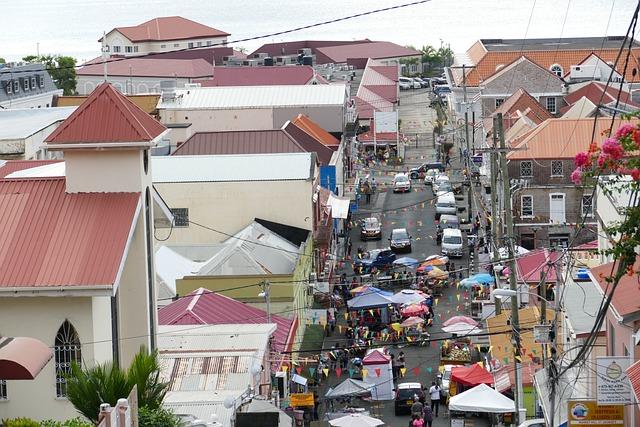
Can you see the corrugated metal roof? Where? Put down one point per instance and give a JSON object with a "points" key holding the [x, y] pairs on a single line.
{"points": [[309, 143], [10, 166], [168, 28], [151, 67], [562, 138], [240, 142], [518, 104], [55, 239], [532, 266], [208, 339], [106, 116], [21, 123], [225, 168], [375, 50], [626, 299], [203, 307], [582, 303], [240, 97], [260, 76], [314, 129]]}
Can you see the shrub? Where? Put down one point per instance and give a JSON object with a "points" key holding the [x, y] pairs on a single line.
{"points": [[20, 422], [158, 417]]}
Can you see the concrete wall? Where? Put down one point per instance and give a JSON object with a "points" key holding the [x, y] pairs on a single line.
{"points": [[42, 100], [127, 85], [231, 206], [119, 171], [41, 317], [115, 38], [329, 118], [28, 148]]}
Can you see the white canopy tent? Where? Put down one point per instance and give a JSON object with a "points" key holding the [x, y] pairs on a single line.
{"points": [[482, 398], [349, 387]]}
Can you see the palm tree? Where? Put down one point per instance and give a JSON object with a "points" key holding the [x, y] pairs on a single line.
{"points": [[87, 388], [429, 56]]}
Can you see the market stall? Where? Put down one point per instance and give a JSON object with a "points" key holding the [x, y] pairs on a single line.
{"points": [[379, 374], [483, 399], [349, 388], [464, 377]]}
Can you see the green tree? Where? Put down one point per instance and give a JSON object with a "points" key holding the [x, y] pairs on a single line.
{"points": [[445, 55], [2, 61], [87, 388], [61, 68]]}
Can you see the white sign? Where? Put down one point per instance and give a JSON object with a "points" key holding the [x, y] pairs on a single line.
{"points": [[613, 386], [385, 121]]}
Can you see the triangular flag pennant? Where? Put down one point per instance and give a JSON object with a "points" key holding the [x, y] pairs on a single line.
{"points": [[284, 368], [371, 311], [403, 371], [430, 370], [312, 371], [518, 358], [299, 370], [378, 372], [491, 348], [339, 328], [458, 296], [437, 299], [326, 372], [365, 372], [506, 360], [351, 371], [416, 371], [533, 350], [409, 339], [339, 372], [346, 316]]}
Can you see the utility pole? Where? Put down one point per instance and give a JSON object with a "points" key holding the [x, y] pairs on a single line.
{"points": [[509, 237], [266, 294], [496, 233], [554, 339]]}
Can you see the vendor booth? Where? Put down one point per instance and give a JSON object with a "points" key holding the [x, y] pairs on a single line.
{"points": [[349, 388], [464, 377], [379, 374], [480, 399], [374, 307]]}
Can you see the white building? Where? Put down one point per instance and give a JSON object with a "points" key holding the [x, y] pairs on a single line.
{"points": [[23, 131], [26, 86], [610, 208], [226, 192], [212, 109], [162, 34]]}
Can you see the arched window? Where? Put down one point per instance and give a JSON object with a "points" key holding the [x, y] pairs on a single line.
{"points": [[66, 350], [557, 70]]}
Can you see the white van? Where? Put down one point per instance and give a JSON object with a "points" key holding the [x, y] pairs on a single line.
{"points": [[452, 242], [446, 205]]}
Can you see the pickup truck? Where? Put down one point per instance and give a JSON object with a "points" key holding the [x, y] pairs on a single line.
{"points": [[381, 259]]}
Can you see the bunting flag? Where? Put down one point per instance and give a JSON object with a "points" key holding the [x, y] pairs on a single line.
{"points": [[430, 369], [478, 348], [378, 372], [365, 372], [284, 368], [299, 370], [434, 344], [458, 296], [506, 360], [339, 328], [491, 348], [351, 371], [436, 302], [518, 358], [416, 371], [403, 372], [346, 316], [312, 371], [409, 339], [326, 372], [533, 350], [338, 372], [371, 312]]}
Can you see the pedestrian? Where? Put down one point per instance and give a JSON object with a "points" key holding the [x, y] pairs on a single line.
{"points": [[417, 421], [434, 395], [416, 408], [427, 415], [400, 360]]}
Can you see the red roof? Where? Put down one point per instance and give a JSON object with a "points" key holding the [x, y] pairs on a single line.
{"points": [[376, 357], [11, 166], [292, 47], [238, 142], [106, 116], [633, 372], [523, 102], [471, 376], [51, 238], [374, 50], [151, 67], [313, 129], [594, 91], [532, 266], [309, 142], [260, 76], [626, 299], [204, 307], [168, 28]]}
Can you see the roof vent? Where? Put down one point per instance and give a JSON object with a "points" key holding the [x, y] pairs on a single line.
{"points": [[168, 90]]}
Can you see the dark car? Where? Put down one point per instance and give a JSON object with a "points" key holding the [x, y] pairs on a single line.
{"points": [[406, 394], [400, 240], [370, 229], [381, 259], [416, 173]]}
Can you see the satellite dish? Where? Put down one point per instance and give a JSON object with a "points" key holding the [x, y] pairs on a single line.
{"points": [[229, 402]]}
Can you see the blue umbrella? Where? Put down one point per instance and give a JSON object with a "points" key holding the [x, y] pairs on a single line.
{"points": [[407, 262], [484, 278]]}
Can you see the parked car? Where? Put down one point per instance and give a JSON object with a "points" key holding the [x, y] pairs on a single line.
{"points": [[452, 242], [417, 83], [446, 205], [430, 175], [426, 82], [444, 187], [401, 183], [405, 83], [441, 89], [406, 395], [416, 173], [381, 259], [370, 229], [439, 80], [437, 182], [445, 378], [400, 241]]}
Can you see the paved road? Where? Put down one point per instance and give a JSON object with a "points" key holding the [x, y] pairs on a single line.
{"points": [[415, 212]]}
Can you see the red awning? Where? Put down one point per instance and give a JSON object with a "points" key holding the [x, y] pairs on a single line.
{"points": [[22, 358], [471, 375], [633, 372]]}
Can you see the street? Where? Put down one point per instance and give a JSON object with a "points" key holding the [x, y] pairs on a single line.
{"points": [[414, 211]]}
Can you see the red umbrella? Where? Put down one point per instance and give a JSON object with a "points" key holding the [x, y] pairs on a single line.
{"points": [[460, 319], [414, 310]]}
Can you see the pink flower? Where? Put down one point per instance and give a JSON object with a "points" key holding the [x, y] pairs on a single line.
{"points": [[602, 159], [635, 174], [612, 147], [582, 159], [576, 176], [624, 130]]}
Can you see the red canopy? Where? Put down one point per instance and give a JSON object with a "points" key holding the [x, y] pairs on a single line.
{"points": [[22, 358], [471, 375]]}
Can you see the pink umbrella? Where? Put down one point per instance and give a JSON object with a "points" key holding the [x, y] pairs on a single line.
{"points": [[460, 319], [414, 310]]}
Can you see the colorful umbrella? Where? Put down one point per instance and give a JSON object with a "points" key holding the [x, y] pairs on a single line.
{"points": [[460, 319], [408, 296], [436, 260], [407, 262], [414, 310], [462, 329], [412, 321], [436, 273], [367, 289]]}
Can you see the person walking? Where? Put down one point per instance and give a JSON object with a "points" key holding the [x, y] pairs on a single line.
{"points": [[427, 415], [417, 407], [434, 395], [417, 421]]}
